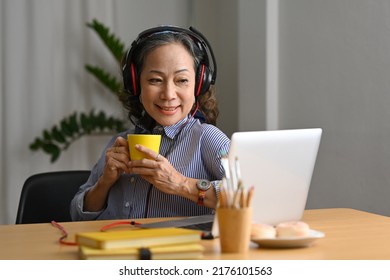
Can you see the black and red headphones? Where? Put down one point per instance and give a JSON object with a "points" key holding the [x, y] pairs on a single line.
{"points": [[205, 76]]}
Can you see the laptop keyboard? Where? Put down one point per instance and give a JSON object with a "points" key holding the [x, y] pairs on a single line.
{"points": [[203, 223]]}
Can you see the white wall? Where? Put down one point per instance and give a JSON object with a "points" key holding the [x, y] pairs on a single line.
{"points": [[334, 74], [135, 16], [237, 30], [218, 20], [3, 206], [252, 65]]}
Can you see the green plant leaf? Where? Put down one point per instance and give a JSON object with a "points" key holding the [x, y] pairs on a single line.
{"points": [[55, 141], [73, 123], [93, 120], [101, 120], [37, 144], [105, 78], [57, 135], [76, 125], [66, 129], [53, 150], [46, 135], [114, 44], [85, 123]]}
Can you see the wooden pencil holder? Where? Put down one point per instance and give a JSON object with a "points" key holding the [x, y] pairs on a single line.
{"points": [[234, 229]]}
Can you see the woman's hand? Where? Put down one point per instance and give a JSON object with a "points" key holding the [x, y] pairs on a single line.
{"points": [[158, 171], [117, 159]]}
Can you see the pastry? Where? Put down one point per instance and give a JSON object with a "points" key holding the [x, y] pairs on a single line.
{"points": [[260, 231], [292, 229]]}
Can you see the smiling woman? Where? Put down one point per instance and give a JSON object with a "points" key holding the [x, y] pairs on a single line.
{"points": [[169, 75], [168, 83]]}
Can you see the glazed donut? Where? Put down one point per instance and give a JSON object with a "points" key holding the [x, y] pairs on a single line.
{"points": [[260, 231], [292, 229]]}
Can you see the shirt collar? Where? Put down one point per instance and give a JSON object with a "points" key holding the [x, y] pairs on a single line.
{"points": [[173, 130], [170, 131]]}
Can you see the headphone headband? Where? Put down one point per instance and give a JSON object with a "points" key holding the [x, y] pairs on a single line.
{"points": [[206, 75]]}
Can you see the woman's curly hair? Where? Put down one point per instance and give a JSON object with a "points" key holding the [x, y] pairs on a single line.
{"points": [[207, 102]]}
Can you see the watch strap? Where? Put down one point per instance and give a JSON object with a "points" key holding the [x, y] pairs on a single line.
{"points": [[201, 197], [203, 186]]}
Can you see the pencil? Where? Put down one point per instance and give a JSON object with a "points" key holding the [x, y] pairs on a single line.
{"points": [[236, 198], [223, 197], [250, 196], [243, 203]]}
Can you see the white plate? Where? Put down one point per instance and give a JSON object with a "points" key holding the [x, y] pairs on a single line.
{"points": [[293, 242]]}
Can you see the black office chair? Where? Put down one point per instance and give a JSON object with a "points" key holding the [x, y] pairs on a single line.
{"points": [[46, 196]]}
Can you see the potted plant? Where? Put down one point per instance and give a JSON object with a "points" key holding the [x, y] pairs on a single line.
{"points": [[56, 140]]}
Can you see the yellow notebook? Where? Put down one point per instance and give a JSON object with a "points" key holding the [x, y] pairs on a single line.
{"points": [[168, 252], [137, 238]]}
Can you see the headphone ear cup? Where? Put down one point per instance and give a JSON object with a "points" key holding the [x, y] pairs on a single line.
{"points": [[134, 80], [203, 80], [130, 80], [126, 78]]}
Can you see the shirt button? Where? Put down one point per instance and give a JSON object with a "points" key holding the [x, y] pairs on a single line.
{"points": [[132, 180], [127, 204]]}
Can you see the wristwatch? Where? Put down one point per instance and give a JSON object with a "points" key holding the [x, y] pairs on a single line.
{"points": [[202, 185]]}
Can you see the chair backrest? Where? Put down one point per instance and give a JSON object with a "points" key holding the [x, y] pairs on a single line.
{"points": [[46, 196]]}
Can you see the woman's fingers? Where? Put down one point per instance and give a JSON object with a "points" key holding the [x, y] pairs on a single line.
{"points": [[120, 146], [149, 153], [117, 158]]}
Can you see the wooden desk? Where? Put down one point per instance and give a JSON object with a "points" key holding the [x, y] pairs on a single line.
{"points": [[350, 234]]}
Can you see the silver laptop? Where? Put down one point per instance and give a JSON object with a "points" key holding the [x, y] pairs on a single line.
{"points": [[279, 164]]}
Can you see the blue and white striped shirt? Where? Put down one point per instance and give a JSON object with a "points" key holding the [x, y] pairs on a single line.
{"points": [[196, 153]]}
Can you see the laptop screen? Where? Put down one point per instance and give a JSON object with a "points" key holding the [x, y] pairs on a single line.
{"points": [[279, 164]]}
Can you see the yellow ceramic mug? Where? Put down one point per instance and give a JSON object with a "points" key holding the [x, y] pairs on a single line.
{"points": [[151, 141]]}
